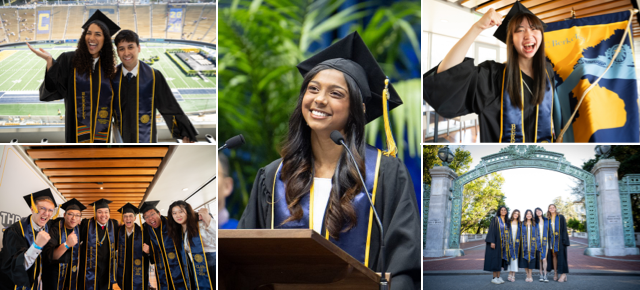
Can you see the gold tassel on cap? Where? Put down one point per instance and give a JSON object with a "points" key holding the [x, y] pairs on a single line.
{"points": [[392, 150], [56, 215], [33, 205]]}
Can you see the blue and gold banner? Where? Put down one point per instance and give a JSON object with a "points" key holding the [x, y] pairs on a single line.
{"points": [[580, 51], [175, 20], [44, 22]]}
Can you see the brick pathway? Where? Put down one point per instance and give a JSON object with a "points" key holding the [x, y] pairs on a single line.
{"points": [[474, 259]]}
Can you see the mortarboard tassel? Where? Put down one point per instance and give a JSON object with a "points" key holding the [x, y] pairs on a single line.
{"points": [[33, 205], [56, 215], [392, 150]]}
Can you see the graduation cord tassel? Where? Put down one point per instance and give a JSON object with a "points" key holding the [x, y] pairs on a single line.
{"points": [[56, 215], [392, 150], [33, 205]]}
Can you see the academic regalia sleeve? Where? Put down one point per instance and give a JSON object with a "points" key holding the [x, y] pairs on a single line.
{"points": [[563, 231], [464, 88], [491, 235], [51, 246], [401, 221], [14, 247], [255, 214], [54, 86], [177, 122]]}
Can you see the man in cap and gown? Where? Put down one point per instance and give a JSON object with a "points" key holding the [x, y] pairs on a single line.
{"points": [[98, 250], [62, 262], [133, 263], [165, 254], [394, 197], [23, 244]]}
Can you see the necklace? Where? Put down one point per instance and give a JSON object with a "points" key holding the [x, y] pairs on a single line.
{"points": [[525, 84]]}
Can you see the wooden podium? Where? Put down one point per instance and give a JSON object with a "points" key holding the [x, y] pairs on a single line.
{"points": [[287, 259]]}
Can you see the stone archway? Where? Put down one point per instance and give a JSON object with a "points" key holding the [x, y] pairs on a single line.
{"points": [[444, 200]]}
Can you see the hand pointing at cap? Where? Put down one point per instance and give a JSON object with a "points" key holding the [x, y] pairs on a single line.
{"points": [[489, 19]]}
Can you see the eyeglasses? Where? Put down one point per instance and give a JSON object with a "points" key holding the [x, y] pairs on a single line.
{"points": [[148, 216], [42, 210], [75, 215]]}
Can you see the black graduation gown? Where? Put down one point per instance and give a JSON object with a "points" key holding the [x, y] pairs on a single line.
{"points": [[58, 84], [493, 260], [128, 258], [158, 231], [51, 271], [465, 89], [12, 271], [563, 243], [395, 203], [102, 261], [164, 102]]}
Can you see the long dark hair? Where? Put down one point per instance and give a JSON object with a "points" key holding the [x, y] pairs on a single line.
{"points": [[498, 212], [513, 213], [298, 163], [512, 75], [524, 218], [175, 229], [83, 61], [535, 215]]}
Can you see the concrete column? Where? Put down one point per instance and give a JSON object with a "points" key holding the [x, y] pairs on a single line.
{"points": [[439, 211], [609, 210]]}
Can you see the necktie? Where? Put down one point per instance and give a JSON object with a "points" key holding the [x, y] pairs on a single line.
{"points": [[129, 76], [103, 226]]}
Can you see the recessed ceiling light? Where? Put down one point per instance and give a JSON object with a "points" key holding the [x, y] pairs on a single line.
{"points": [[185, 189], [101, 187]]}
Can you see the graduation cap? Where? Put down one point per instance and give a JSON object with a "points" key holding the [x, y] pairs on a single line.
{"points": [[148, 205], [351, 56], [73, 204], [129, 208], [517, 8], [101, 203], [29, 198], [99, 16]]}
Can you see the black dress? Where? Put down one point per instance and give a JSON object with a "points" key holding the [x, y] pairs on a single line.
{"points": [[164, 102], [493, 261], [563, 243], [465, 89], [58, 84], [395, 203]]}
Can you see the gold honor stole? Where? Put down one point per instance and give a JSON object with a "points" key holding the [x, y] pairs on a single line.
{"points": [[357, 241], [90, 130], [93, 241], [174, 277], [63, 267], [25, 223], [137, 260], [145, 94], [513, 117], [199, 263]]}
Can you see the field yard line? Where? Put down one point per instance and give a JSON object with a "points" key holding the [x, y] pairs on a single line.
{"points": [[9, 70], [36, 73], [28, 70], [179, 74], [162, 68]]}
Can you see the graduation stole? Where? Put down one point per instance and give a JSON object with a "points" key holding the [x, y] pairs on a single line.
{"points": [[136, 264], [90, 130], [554, 234], [171, 260], [199, 263], [513, 117], [25, 223], [545, 232], [506, 242], [356, 242], [75, 252], [145, 93], [92, 252], [529, 249], [516, 244]]}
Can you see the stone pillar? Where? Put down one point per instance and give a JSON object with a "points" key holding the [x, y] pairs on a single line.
{"points": [[439, 211], [609, 209]]}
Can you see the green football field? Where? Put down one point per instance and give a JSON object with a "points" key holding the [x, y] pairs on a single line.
{"points": [[22, 72]]}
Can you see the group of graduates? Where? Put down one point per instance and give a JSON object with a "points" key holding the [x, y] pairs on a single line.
{"points": [[98, 93], [42, 251], [533, 241]]}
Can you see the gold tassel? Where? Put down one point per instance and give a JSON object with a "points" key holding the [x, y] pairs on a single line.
{"points": [[33, 205], [56, 215], [392, 150]]}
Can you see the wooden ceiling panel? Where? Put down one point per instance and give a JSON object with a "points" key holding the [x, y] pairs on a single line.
{"points": [[473, 3], [107, 190], [100, 171], [530, 4], [134, 178], [125, 152], [105, 185], [99, 163], [556, 10]]}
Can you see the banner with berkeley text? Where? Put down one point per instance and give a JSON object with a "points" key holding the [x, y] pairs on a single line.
{"points": [[580, 51]]}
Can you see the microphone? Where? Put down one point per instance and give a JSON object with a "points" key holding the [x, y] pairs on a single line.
{"points": [[233, 142], [339, 140]]}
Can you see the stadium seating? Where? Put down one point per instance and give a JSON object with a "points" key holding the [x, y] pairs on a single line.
{"points": [[144, 21], [58, 19], [206, 30], [159, 20]]}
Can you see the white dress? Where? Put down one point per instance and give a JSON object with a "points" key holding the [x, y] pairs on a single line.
{"points": [[513, 266]]}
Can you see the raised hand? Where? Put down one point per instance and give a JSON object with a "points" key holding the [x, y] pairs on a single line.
{"points": [[72, 239], [489, 19], [145, 248], [42, 238], [42, 54]]}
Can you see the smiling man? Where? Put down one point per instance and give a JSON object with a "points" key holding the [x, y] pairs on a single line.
{"points": [[138, 91], [24, 241], [133, 262], [61, 263], [98, 251], [163, 252]]}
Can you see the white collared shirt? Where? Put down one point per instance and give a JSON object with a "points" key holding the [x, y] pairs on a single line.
{"points": [[32, 253], [95, 60], [134, 71], [208, 235]]}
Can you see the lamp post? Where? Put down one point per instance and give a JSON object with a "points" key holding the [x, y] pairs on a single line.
{"points": [[445, 155]]}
